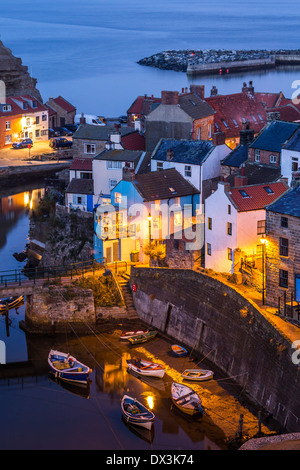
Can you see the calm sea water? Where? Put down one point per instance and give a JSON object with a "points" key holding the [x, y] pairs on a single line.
{"points": [[87, 51]]}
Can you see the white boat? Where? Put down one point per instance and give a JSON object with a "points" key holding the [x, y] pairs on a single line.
{"points": [[186, 399], [68, 368], [197, 375], [129, 334], [146, 368], [135, 413]]}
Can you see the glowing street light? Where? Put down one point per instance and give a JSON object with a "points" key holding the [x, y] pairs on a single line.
{"points": [[263, 242]]}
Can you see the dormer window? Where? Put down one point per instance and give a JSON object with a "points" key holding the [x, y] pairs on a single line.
{"points": [[243, 193], [6, 108], [25, 105], [34, 104], [268, 190]]}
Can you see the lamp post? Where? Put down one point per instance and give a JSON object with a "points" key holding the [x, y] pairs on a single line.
{"points": [[263, 242], [149, 219]]}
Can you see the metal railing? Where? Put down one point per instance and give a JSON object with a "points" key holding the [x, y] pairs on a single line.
{"points": [[19, 276]]}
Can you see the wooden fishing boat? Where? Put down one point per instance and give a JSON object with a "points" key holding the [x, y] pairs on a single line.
{"points": [[128, 334], [186, 399], [197, 374], [11, 302], [137, 339], [135, 413], [67, 367], [179, 350], [149, 369]]}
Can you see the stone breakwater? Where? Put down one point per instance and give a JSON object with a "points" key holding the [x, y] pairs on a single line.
{"points": [[182, 60]]}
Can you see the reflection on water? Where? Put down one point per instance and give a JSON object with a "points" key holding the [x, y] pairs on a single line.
{"points": [[43, 413], [15, 210]]}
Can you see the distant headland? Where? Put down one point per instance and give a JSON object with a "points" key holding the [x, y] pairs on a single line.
{"points": [[211, 61]]}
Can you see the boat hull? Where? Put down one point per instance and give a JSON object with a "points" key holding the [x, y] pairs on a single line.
{"points": [[197, 375], [144, 418], [79, 373], [179, 350], [11, 302], [138, 339], [147, 369], [186, 399]]}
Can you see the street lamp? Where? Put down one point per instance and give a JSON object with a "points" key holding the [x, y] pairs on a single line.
{"points": [[149, 219], [263, 242]]}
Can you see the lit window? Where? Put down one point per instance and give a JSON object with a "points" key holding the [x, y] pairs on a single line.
{"points": [[118, 198], [261, 227]]}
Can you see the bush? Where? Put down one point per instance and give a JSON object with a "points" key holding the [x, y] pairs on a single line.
{"points": [[104, 290]]}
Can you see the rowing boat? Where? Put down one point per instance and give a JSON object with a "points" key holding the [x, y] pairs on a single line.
{"points": [[186, 399], [67, 367], [10, 302], [149, 369], [197, 375], [137, 339], [179, 350], [135, 413], [128, 334]]}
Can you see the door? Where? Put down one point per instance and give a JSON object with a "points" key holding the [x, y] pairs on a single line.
{"points": [[108, 254], [116, 251]]}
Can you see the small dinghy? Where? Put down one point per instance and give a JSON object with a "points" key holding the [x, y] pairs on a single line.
{"points": [[137, 339], [11, 302], [135, 413], [128, 334], [179, 350], [186, 399], [67, 367], [197, 374], [149, 369]]}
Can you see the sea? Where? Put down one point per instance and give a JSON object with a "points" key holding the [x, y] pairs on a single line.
{"points": [[88, 51]]}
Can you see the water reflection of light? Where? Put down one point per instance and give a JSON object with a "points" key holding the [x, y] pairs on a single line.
{"points": [[26, 198], [150, 401]]}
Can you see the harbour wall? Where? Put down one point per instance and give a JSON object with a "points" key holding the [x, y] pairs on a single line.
{"points": [[238, 66], [213, 319]]}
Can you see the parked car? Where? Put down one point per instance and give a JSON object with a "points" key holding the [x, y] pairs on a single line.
{"points": [[22, 143], [60, 142], [65, 131], [51, 132], [71, 127], [123, 119]]}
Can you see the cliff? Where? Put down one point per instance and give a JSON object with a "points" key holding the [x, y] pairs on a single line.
{"points": [[15, 75]]}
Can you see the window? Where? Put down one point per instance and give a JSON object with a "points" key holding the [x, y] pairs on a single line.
{"points": [[159, 166], [112, 183], [257, 155], [283, 247], [7, 125], [112, 165], [229, 209], [90, 148], [283, 278], [243, 193], [208, 249], [261, 227], [178, 218], [6, 108], [37, 120], [27, 121], [209, 131], [118, 198], [25, 105], [284, 222], [295, 164], [44, 117], [273, 159], [34, 104], [209, 223], [229, 254], [8, 139], [188, 170], [85, 176], [199, 133], [229, 228], [37, 132], [268, 190]]}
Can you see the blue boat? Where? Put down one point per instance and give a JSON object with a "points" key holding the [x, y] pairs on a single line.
{"points": [[135, 413], [66, 367], [179, 350]]}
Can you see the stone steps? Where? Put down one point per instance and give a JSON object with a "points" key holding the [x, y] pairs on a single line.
{"points": [[123, 282]]}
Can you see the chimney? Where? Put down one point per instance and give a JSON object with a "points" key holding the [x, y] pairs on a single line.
{"points": [[251, 88], [218, 138], [241, 180], [82, 119], [169, 97], [198, 90], [128, 172], [246, 134], [244, 88], [213, 91], [115, 137], [170, 155]]}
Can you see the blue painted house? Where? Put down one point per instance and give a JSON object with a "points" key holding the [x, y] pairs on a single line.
{"points": [[144, 208]]}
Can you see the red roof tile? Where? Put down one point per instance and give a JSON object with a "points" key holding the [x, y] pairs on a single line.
{"points": [[82, 164], [16, 108], [255, 197], [232, 110], [64, 104], [133, 141], [142, 105]]}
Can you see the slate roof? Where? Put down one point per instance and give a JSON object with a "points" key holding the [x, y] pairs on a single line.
{"points": [[257, 197], [238, 156], [90, 132], [294, 142], [257, 173], [164, 184], [120, 155], [288, 204], [194, 106], [274, 135], [80, 186], [193, 152]]}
